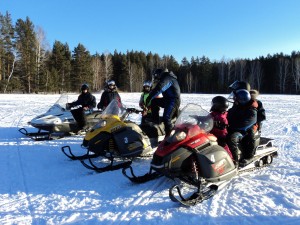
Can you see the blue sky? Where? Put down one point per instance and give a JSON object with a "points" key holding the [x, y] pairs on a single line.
{"points": [[190, 28]]}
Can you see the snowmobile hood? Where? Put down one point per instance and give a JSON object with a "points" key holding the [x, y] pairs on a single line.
{"points": [[191, 129], [112, 120]]}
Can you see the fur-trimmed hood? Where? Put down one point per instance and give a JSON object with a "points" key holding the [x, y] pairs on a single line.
{"points": [[254, 93]]}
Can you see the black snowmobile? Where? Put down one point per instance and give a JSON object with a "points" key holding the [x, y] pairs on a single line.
{"points": [[192, 156], [58, 121], [113, 138]]}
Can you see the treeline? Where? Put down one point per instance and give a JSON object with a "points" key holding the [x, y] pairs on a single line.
{"points": [[29, 65]]}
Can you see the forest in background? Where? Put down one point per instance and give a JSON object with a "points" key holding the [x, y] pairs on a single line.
{"points": [[29, 65]]}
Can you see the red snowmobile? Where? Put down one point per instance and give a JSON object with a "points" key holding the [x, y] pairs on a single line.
{"points": [[192, 155]]}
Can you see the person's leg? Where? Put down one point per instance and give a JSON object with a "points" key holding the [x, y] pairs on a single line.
{"points": [[233, 141], [79, 116], [155, 106], [248, 143], [171, 109]]}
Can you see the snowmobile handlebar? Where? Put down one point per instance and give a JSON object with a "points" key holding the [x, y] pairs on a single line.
{"points": [[133, 110]]}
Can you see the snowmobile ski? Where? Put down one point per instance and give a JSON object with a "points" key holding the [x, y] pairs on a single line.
{"points": [[70, 155], [109, 167], [143, 178], [41, 135], [195, 198]]}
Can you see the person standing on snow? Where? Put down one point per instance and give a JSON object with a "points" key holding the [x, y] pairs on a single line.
{"points": [[147, 85], [110, 93], [168, 86]]}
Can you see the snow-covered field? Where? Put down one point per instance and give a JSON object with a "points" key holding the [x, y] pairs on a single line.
{"points": [[40, 185]]}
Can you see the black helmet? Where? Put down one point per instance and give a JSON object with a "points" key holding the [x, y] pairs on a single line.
{"points": [[84, 87], [219, 104], [242, 96], [237, 85], [157, 74]]}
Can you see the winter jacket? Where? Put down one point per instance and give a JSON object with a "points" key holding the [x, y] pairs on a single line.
{"points": [[261, 112], [220, 124], [220, 129], [106, 97], [143, 98], [86, 100], [167, 86], [142, 102], [242, 118]]}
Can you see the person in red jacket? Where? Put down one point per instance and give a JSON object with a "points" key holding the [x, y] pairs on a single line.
{"points": [[218, 111]]}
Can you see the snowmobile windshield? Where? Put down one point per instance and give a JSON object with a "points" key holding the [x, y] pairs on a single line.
{"points": [[114, 108], [60, 104], [193, 114]]}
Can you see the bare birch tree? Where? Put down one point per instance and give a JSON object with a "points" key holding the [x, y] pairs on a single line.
{"points": [[256, 74], [108, 67], [221, 70], [41, 46], [283, 65], [11, 73], [189, 82], [97, 75], [296, 73]]}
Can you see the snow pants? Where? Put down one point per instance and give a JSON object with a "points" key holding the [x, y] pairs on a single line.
{"points": [[171, 110]]}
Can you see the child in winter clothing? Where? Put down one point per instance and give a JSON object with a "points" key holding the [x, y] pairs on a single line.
{"points": [[261, 112], [219, 113]]}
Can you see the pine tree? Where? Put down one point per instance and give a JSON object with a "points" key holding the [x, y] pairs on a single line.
{"points": [[81, 68], [26, 47]]}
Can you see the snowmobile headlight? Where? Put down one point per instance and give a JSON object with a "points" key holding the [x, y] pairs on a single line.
{"points": [[102, 123], [177, 136], [180, 136]]}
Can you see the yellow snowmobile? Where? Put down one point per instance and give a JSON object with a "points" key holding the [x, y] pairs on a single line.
{"points": [[113, 138]]}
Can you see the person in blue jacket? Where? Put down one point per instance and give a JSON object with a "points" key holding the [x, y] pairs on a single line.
{"points": [[167, 85]]}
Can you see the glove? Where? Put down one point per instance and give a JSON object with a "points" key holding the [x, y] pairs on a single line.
{"points": [[220, 125], [130, 110], [68, 106]]}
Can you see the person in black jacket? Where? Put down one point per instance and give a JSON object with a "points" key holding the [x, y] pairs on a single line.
{"points": [[168, 86], [242, 125], [110, 92], [87, 101], [261, 112]]}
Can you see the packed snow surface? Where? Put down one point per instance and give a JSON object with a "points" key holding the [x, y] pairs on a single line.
{"points": [[40, 185]]}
